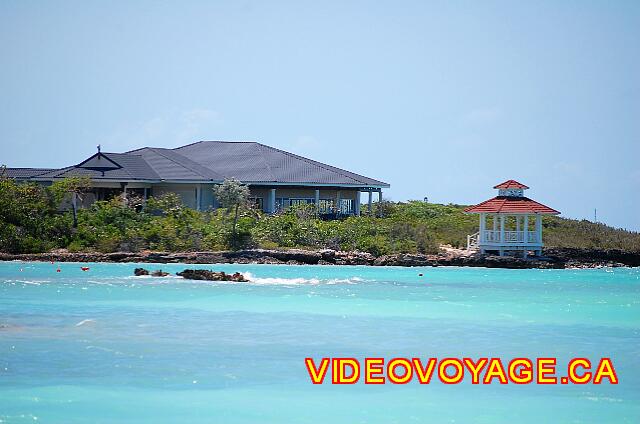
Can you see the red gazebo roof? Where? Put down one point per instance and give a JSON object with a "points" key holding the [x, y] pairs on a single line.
{"points": [[511, 184], [504, 204]]}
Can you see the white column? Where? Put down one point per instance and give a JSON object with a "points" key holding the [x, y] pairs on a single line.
{"points": [[124, 193], [338, 198], [271, 207], [357, 205], [526, 229], [199, 197], [501, 228], [145, 196], [380, 203], [539, 228], [483, 225], [370, 201], [318, 200]]}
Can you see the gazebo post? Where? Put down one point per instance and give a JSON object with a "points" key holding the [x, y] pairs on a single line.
{"points": [[539, 233], [526, 234], [501, 235]]}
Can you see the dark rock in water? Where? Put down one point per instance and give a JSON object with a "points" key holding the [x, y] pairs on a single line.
{"points": [[140, 271], [203, 274], [157, 273]]}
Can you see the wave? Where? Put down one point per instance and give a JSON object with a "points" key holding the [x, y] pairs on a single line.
{"points": [[150, 277], [32, 282], [299, 281]]}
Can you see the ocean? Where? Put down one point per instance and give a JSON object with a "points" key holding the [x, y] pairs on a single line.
{"points": [[103, 346]]}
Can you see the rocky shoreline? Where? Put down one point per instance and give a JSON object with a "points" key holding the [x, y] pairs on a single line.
{"points": [[554, 258]]}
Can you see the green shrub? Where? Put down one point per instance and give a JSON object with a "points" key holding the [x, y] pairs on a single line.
{"points": [[30, 222]]}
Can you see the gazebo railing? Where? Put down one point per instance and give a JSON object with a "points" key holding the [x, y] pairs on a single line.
{"points": [[472, 241], [490, 236]]}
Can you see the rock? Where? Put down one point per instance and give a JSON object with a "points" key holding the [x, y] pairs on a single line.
{"points": [[203, 274], [159, 273], [406, 259], [586, 257], [140, 271], [554, 258], [353, 258]]}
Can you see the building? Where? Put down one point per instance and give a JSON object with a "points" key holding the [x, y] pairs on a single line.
{"points": [[276, 178], [506, 222]]}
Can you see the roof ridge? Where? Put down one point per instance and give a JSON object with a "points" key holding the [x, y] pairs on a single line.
{"points": [[259, 145], [58, 171], [192, 162], [509, 182], [126, 168], [502, 204], [538, 203], [214, 141], [322, 165]]}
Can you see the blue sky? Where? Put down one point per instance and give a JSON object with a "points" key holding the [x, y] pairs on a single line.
{"points": [[441, 99]]}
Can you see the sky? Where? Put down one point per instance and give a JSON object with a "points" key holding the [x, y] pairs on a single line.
{"points": [[441, 99]]}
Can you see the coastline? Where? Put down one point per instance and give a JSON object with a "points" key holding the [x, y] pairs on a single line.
{"points": [[555, 258]]}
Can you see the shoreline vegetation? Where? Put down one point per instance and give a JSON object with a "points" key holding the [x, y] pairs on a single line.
{"points": [[161, 229], [553, 259]]}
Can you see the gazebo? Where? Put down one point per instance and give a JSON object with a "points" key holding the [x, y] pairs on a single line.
{"points": [[505, 224]]}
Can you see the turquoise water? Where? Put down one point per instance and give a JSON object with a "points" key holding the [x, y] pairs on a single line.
{"points": [[103, 346]]}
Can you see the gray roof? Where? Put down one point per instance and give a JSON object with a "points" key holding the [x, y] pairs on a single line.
{"points": [[249, 162], [170, 165], [24, 173], [255, 162]]}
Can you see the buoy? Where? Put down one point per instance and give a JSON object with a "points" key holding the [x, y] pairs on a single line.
{"points": [[58, 270], [84, 268], [420, 275]]}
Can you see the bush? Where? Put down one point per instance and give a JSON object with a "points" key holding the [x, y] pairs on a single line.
{"points": [[30, 222]]}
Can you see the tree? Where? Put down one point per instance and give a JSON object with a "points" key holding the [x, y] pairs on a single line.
{"points": [[76, 187], [232, 194]]}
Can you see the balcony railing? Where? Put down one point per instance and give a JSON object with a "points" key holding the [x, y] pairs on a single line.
{"points": [[490, 236]]}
